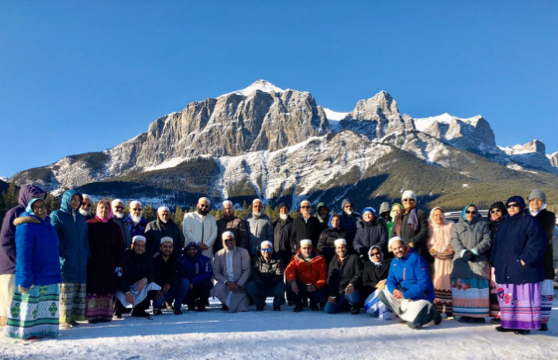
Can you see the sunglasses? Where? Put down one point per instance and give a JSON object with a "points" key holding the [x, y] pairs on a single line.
{"points": [[375, 254], [408, 200], [267, 250], [495, 211], [305, 207], [119, 207], [86, 205], [470, 212], [512, 205], [136, 209], [229, 240], [204, 206]]}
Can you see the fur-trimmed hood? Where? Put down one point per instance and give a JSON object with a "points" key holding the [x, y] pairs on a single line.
{"points": [[25, 218]]}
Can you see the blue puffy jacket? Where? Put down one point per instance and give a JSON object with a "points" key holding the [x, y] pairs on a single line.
{"points": [[37, 260], [411, 275], [197, 269], [74, 243]]}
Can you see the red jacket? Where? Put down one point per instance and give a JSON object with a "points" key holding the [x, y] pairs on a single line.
{"points": [[312, 272]]}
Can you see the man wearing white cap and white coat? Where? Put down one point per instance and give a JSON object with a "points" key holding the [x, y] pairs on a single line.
{"points": [[200, 226], [411, 225], [344, 281], [267, 278], [231, 271], [409, 291]]}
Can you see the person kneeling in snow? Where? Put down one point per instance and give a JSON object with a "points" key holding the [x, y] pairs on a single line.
{"points": [[199, 274], [409, 292], [136, 281], [232, 271]]}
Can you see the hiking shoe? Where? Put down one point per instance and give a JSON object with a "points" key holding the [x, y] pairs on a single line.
{"points": [[177, 311], [277, 308], [355, 310], [438, 319], [157, 312], [297, 309], [522, 332], [544, 327], [503, 329]]}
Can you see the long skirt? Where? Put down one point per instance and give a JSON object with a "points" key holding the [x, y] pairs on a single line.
{"points": [[547, 297], [72, 303], [99, 307], [442, 286], [34, 314], [520, 305], [470, 297], [494, 305]]}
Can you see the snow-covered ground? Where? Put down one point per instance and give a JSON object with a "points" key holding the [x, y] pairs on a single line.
{"points": [[283, 335]]}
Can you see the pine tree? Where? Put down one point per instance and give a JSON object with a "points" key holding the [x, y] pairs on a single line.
{"points": [[296, 214], [52, 203], [11, 196], [268, 210], [178, 217], [149, 213], [218, 214]]}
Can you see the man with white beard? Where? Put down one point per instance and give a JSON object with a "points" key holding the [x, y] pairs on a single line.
{"points": [[85, 208], [306, 226], [260, 227], [117, 206], [199, 226], [161, 227], [135, 221]]}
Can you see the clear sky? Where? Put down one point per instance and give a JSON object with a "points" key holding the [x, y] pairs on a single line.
{"points": [[80, 76]]}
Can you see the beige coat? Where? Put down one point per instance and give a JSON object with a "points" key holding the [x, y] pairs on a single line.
{"points": [[236, 300]]}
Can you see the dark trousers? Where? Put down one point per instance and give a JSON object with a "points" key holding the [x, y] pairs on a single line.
{"points": [[199, 291], [260, 292], [176, 292], [343, 303], [316, 297]]}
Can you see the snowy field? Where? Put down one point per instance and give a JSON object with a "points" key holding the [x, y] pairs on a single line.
{"points": [[285, 335]]}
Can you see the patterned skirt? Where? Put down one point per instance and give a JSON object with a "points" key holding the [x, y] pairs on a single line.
{"points": [[442, 286], [98, 307], [470, 297], [72, 303], [34, 314], [494, 305], [547, 297], [520, 305]]}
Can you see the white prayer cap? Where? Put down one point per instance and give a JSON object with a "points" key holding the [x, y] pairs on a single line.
{"points": [[227, 233], [266, 242], [305, 202], [135, 202], [305, 242], [409, 194], [138, 238], [160, 209], [227, 202], [392, 240], [116, 202], [166, 239], [204, 199], [340, 241], [257, 200], [85, 196]]}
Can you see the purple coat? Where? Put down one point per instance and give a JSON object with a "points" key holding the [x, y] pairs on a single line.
{"points": [[7, 235]]}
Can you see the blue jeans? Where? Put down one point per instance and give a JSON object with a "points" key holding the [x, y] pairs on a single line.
{"points": [[343, 303], [260, 292], [177, 293], [316, 297]]}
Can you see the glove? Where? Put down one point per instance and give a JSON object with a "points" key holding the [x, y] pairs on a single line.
{"points": [[468, 255]]}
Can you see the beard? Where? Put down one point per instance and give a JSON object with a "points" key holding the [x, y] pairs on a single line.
{"points": [[84, 212], [119, 215], [283, 216], [348, 212], [136, 219], [257, 213], [203, 212]]}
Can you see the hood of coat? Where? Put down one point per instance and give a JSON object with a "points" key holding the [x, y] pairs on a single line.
{"points": [[188, 257], [28, 192], [497, 205], [27, 218], [321, 205], [464, 213], [67, 199]]}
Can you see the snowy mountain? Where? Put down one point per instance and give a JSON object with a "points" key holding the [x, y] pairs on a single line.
{"points": [[532, 156], [280, 144]]}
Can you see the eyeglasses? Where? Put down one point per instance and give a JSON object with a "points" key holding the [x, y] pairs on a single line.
{"points": [[86, 205], [38, 207], [471, 212], [136, 209], [348, 206], [305, 207], [512, 205], [119, 207], [204, 206], [229, 240], [375, 254], [495, 211], [408, 200]]}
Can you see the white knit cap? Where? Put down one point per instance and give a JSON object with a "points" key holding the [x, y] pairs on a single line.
{"points": [[409, 194], [305, 242], [227, 233], [161, 208], [266, 242], [340, 241], [166, 239], [116, 202], [138, 238], [392, 240]]}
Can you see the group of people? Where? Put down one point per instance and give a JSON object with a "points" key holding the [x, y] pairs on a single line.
{"points": [[82, 265]]}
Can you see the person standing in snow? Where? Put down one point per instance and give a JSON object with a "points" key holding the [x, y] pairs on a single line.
{"points": [[517, 256], [396, 209], [439, 246], [72, 232], [370, 231], [161, 227], [326, 244], [306, 226], [199, 273], [409, 292], [470, 239], [260, 227], [497, 213], [8, 247], [229, 222], [134, 220], [412, 226], [232, 272], [547, 219], [385, 212], [322, 214], [282, 234], [344, 281], [349, 220], [118, 211], [266, 278], [200, 227]]}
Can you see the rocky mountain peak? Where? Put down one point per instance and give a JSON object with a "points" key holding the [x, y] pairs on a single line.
{"points": [[554, 159], [261, 85]]}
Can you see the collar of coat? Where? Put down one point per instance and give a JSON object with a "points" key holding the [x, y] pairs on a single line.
{"points": [[26, 220]]}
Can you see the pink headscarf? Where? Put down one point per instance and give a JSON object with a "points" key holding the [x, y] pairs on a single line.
{"points": [[98, 208], [439, 236]]}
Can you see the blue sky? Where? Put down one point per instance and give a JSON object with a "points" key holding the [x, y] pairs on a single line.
{"points": [[78, 77]]}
